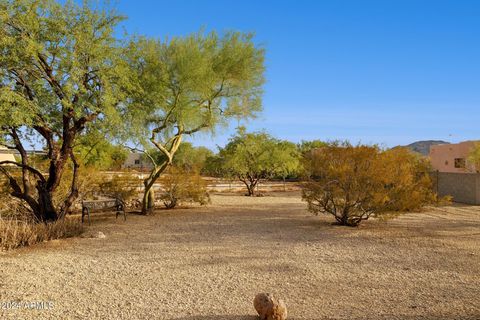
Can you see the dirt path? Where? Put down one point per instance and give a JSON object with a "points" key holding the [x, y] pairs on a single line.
{"points": [[208, 263]]}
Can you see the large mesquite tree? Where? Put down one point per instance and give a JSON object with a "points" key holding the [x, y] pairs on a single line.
{"points": [[60, 70], [188, 85]]}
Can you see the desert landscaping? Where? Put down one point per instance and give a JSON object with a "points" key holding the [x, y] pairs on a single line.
{"points": [[239, 160], [207, 263]]}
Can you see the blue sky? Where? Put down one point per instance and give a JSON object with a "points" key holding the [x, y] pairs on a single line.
{"points": [[388, 72]]}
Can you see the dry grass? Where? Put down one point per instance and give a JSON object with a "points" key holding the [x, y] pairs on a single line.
{"points": [[15, 233]]}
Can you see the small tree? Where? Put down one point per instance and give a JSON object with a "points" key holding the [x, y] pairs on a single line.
{"points": [[60, 71], [353, 183], [188, 157], [187, 85], [214, 167], [183, 185], [288, 160], [250, 157], [191, 158], [94, 149], [306, 146]]}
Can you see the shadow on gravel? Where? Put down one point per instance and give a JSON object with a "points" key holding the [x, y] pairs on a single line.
{"points": [[224, 317], [221, 317]]}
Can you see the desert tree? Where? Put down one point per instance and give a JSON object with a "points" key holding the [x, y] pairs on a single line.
{"points": [[95, 149], [353, 183], [60, 71], [287, 161], [187, 157], [251, 157], [214, 167], [305, 146], [188, 85], [192, 158]]}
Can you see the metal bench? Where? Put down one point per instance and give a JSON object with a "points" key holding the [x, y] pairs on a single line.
{"points": [[90, 205]]}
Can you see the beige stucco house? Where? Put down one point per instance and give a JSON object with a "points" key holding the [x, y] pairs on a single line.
{"points": [[137, 161], [6, 154], [452, 157]]}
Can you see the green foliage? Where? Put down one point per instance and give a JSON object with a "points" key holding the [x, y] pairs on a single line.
{"points": [[308, 145], [95, 150], [120, 186], [56, 58], [214, 166], [194, 83], [93, 183], [88, 181], [254, 156], [188, 157], [61, 70], [15, 109], [182, 185], [191, 158], [287, 158], [187, 85], [355, 182]]}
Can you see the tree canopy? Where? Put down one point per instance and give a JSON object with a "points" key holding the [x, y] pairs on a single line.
{"points": [[61, 69], [95, 150], [188, 157], [308, 145], [251, 157], [188, 85]]}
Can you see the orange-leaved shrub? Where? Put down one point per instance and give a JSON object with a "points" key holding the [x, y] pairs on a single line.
{"points": [[353, 183], [181, 185]]}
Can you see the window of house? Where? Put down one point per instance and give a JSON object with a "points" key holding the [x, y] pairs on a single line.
{"points": [[137, 161], [460, 163]]}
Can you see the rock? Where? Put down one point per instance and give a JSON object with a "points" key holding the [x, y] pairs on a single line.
{"points": [[97, 235], [270, 308]]}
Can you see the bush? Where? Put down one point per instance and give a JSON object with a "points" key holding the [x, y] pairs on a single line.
{"points": [[122, 187], [89, 179], [18, 227], [180, 185], [353, 183], [407, 180], [15, 233]]}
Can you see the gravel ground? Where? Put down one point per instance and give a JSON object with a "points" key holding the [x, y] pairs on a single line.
{"points": [[208, 264]]}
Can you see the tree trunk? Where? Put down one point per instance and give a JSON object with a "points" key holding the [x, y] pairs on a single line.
{"points": [[250, 184], [171, 203], [45, 212], [67, 204], [148, 201], [250, 190]]}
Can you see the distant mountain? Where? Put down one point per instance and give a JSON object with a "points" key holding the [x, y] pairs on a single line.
{"points": [[423, 147]]}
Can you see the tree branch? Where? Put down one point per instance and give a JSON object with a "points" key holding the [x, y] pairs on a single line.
{"points": [[37, 173]]}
